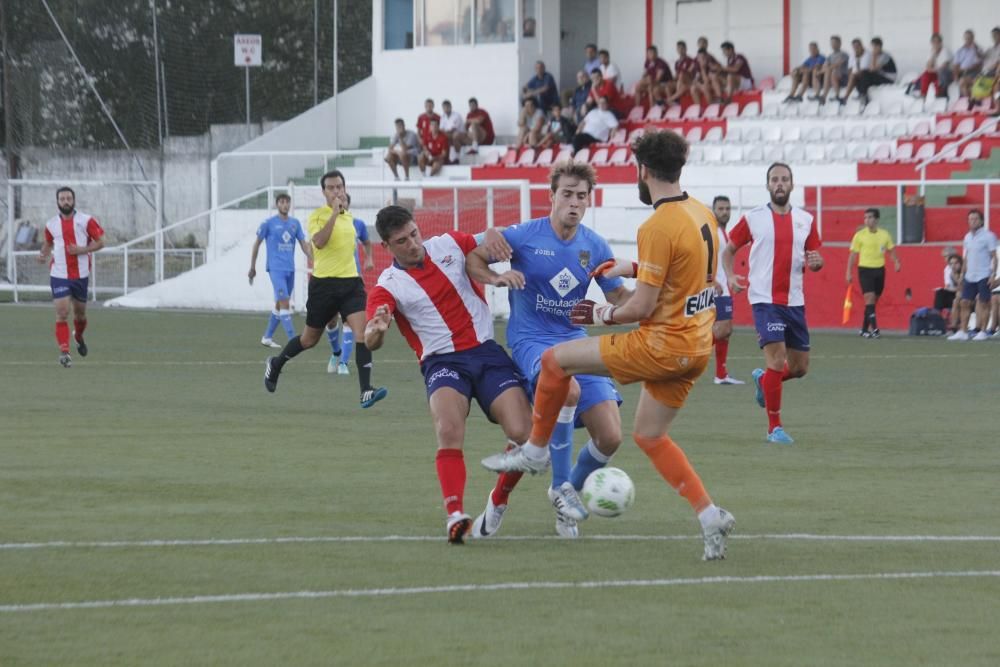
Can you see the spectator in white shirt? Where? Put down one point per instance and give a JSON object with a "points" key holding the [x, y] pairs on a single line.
{"points": [[451, 124], [979, 248], [937, 70], [596, 126], [881, 70], [991, 59], [946, 297], [609, 70]]}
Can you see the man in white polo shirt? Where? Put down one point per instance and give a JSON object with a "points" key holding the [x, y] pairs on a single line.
{"points": [[980, 265]]}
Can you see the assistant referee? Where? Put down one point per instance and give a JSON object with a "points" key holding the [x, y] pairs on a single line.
{"points": [[336, 287], [869, 246]]}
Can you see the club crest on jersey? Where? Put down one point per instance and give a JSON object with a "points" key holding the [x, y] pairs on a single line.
{"points": [[286, 237], [446, 260], [699, 302], [564, 282], [584, 258]]}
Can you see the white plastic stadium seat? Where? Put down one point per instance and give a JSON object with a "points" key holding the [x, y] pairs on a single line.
{"points": [[772, 134], [834, 133], [713, 134], [883, 152], [894, 109], [921, 129], [618, 137], [732, 110], [655, 112], [791, 133], [774, 153], [732, 133], [926, 151], [754, 153], [836, 152], [809, 109], [635, 115], [711, 112], [972, 151], [673, 113], [582, 155], [877, 131], [750, 110], [712, 153], [788, 110], [830, 110], [751, 134], [526, 158], [620, 156], [965, 126], [814, 134], [694, 134], [903, 152], [794, 153], [872, 110], [860, 151], [565, 153], [693, 112], [696, 154], [898, 130], [636, 133], [942, 127], [815, 152], [732, 153], [770, 110], [544, 158], [599, 157]]}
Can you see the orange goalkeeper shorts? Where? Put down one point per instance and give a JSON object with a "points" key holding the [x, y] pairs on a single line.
{"points": [[666, 376]]}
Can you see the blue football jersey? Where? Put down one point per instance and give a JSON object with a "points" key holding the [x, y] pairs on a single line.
{"points": [[361, 232], [556, 279], [280, 237]]}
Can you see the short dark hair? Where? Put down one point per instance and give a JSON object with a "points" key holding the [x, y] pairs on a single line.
{"points": [[681, 42], [334, 173], [936, 36], [877, 41], [400, 121], [652, 47], [604, 52], [836, 37], [444, 102], [428, 100], [719, 198], [977, 212], [591, 46], [857, 40], [282, 195], [662, 153], [65, 188], [473, 100], [874, 211], [775, 165], [727, 45], [390, 219], [953, 255]]}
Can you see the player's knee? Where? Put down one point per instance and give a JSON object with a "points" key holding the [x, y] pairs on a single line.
{"points": [[450, 432], [573, 397]]}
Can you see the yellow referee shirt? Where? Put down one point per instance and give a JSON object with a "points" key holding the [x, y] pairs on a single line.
{"points": [[336, 258], [871, 247]]}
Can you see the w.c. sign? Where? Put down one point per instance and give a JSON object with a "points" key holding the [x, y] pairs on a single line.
{"points": [[247, 50]]}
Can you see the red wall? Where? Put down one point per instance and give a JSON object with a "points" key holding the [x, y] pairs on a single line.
{"points": [[923, 268]]}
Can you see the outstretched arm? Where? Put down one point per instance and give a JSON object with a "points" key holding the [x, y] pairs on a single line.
{"points": [[736, 283], [252, 273]]}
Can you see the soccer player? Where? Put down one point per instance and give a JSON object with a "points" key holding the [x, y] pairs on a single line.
{"points": [[335, 287], [70, 237], [670, 349], [279, 232], [556, 255], [444, 317], [869, 246], [341, 354], [723, 327], [785, 242]]}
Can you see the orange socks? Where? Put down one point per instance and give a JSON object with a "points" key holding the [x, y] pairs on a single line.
{"points": [[550, 395], [670, 461]]}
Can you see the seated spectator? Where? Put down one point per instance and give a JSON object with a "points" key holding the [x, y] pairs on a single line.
{"points": [[530, 124], [656, 73], [542, 87], [424, 120], [806, 75], [834, 73], [609, 70], [990, 74], [944, 297], [580, 94], [404, 148], [600, 87], [881, 71], [937, 70], [590, 61], [435, 150], [596, 127], [736, 72], [991, 59], [558, 129], [685, 68], [707, 85], [451, 121], [478, 128], [859, 62], [967, 63]]}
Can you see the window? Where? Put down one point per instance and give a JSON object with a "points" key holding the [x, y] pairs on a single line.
{"points": [[410, 23], [529, 22], [494, 21], [398, 21]]}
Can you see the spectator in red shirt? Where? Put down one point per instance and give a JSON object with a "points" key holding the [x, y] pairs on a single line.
{"points": [[601, 87], [656, 73], [736, 73], [424, 120], [685, 68], [435, 151], [707, 85], [478, 128]]}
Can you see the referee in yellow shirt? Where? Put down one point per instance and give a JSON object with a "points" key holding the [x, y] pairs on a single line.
{"points": [[869, 246], [335, 287]]}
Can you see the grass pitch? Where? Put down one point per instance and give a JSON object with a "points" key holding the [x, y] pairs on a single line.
{"points": [[157, 506]]}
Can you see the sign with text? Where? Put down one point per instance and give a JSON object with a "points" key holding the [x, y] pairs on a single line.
{"points": [[247, 50]]}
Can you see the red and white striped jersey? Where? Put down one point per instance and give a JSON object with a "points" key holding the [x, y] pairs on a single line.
{"points": [[436, 305], [777, 254], [79, 230], [720, 271]]}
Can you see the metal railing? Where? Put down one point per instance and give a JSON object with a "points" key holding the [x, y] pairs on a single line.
{"points": [[950, 149]]}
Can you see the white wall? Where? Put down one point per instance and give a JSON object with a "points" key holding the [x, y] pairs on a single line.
{"points": [[621, 29], [957, 16]]}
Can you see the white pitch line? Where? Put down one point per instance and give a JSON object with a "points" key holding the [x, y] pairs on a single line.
{"points": [[479, 588], [120, 544]]}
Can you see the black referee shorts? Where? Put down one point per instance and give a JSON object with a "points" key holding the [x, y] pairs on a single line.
{"points": [[330, 296], [872, 280]]}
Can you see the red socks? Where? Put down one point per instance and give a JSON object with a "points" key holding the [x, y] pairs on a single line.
{"points": [[78, 327], [62, 336], [506, 482], [771, 384], [451, 475], [721, 353]]}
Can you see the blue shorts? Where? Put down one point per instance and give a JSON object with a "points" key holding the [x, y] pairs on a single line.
{"points": [[483, 373], [594, 389], [723, 308], [980, 289], [283, 283], [66, 287], [781, 324]]}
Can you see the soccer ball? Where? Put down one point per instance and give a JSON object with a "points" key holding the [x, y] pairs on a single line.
{"points": [[608, 492]]}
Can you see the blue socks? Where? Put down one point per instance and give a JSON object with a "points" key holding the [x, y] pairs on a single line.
{"points": [[589, 460], [272, 324], [334, 336], [561, 446], [286, 321], [348, 346]]}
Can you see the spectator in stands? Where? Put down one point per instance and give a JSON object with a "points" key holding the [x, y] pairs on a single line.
{"points": [[991, 70], [807, 74], [451, 121], [542, 87], [979, 247], [435, 150], [590, 60], [424, 120], [404, 148], [601, 87], [609, 70], [881, 71], [655, 73], [937, 70], [945, 298], [736, 73], [967, 63], [530, 124], [685, 68], [707, 85], [478, 128], [596, 127], [834, 73], [578, 102], [859, 62], [558, 129]]}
